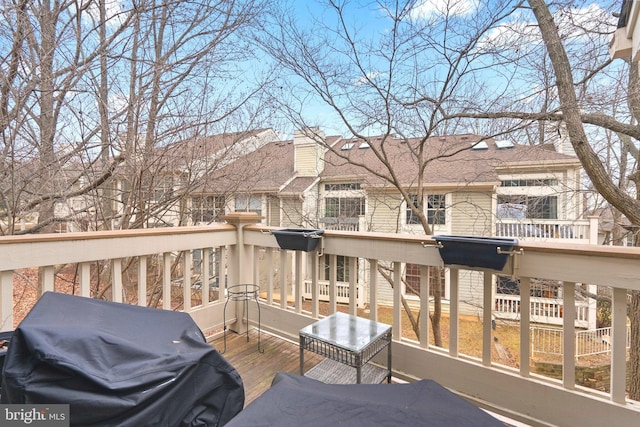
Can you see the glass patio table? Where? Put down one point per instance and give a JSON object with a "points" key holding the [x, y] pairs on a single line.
{"points": [[347, 342]]}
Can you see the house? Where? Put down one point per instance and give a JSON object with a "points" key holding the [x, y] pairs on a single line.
{"points": [[626, 39], [329, 182], [146, 190]]}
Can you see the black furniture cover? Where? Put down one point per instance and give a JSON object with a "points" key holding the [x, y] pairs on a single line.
{"points": [[296, 401], [119, 365]]}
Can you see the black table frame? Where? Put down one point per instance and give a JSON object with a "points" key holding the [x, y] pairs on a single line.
{"points": [[244, 293]]}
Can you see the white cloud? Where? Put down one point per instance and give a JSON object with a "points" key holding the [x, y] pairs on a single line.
{"points": [[425, 9], [371, 75], [522, 31], [116, 11]]}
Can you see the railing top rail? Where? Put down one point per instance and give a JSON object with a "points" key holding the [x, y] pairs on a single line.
{"points": [[110, 234], [528, 246], [53, 249]]}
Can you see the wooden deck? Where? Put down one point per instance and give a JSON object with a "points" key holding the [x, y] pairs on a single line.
{"points": [[258, 369]]}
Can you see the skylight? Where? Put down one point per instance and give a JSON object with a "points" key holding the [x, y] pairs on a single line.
{"points": [[348, 146], [482, 145], [364, 144], [504, 144]]}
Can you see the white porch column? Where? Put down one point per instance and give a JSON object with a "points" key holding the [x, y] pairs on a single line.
{"points": [[240, 266]]}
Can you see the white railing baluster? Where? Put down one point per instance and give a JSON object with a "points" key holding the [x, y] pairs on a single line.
{"points": [[166, 281], [116, 279], [297, 291], [315, 297], [205, 277], [142, 281], [618, 345], [187, 291], [525, 332], [284, 289], [353, 281], [48, 279], [221, 268], [487, 319], [424, 306], [333, 277], [453, 313], [268, 260], [396, 327], [373, 289], [6, 300], [569, 343], [85, 279]]}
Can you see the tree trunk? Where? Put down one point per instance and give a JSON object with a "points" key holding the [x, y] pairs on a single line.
{"points": [[594, 168], [603, 183]]}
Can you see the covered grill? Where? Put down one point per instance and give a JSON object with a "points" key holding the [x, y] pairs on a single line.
{"points": [[119, 365]]}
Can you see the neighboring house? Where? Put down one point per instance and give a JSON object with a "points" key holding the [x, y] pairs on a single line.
{"points": [[157, 184], [338, 185], [626, 39]]}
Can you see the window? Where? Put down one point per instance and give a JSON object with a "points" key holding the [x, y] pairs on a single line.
{"points": [[343, 273], [159, 189], [528, 182], [411, 217], [207, 208], [249, 203], [412, 280], [342, 186], [345, 207], [435, 209], [545, 207]]}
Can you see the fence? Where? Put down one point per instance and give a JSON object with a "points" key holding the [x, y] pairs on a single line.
{"points": [[590, 342]]}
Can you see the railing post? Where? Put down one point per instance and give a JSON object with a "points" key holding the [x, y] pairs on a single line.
{"points": [[240, 263], [6, 300], [593, 230]]}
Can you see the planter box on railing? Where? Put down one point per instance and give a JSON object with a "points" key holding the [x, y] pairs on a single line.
{"points": [[472, 251], [296, 239]]}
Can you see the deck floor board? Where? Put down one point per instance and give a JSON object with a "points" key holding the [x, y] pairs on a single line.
{"points": [[258, 369]]}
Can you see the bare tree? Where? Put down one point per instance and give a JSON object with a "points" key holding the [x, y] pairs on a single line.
{"points": [[433, 71], [399, 82], [100, 103], [623, 200]]}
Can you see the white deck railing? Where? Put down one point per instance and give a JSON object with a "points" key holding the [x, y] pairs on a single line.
{"points": [[543, 310], [548, 341], [579, 231], [342, 292], [248, 254]]}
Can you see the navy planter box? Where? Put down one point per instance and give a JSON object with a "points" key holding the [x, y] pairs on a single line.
{"points": [[471, 251], [298, 239]]}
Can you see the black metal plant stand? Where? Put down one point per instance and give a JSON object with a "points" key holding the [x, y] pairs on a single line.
{"points": [[244, 293]]}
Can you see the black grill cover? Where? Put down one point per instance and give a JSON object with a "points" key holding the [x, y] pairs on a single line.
{"points": [[119, 365]]}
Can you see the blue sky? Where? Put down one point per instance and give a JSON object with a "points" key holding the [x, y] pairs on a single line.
{"points": [[371, 22]]}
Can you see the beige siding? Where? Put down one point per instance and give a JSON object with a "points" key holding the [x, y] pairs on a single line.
{"points": [[273, 209], [307, 163], [472, 214], [383, 211], [291, 213]]}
